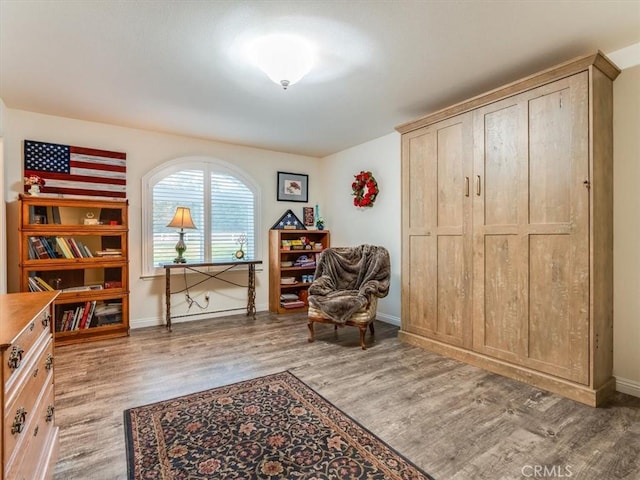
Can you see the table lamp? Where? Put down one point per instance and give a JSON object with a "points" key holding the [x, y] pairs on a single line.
{"points": [[182, 219]]}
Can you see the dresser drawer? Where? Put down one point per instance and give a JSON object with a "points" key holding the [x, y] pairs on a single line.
{"points": [[15, 356], [22, 403], [33, 459]]}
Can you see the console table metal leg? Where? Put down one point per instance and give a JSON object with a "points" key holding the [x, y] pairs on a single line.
{"points": [[167, 296], [251, 292]]}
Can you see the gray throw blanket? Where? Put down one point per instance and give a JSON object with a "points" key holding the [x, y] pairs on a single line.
{"points": [[347, 277]]}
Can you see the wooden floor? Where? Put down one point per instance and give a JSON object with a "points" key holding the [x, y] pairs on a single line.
{"points": [[453, 420]]}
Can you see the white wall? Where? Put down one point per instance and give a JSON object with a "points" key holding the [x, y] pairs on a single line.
{"points": [[626, 231], [377, 225], [146, 150]]}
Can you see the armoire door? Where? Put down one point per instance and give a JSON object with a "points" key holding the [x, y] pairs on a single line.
{"points": [[437, 260], [530, 229]]}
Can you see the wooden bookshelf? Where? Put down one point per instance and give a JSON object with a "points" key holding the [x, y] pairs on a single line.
{"points": [[281, 255], [79, 247]]}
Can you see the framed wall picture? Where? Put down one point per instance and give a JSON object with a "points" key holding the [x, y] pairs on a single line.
{"points": [[293, 187]]}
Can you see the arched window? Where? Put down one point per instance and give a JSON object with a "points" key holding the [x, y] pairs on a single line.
{"points": [[224, 205]]}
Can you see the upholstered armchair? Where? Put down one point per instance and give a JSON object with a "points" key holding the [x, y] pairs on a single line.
{"points": [[348, 282]]}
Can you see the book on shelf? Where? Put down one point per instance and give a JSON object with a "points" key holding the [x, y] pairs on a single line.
{"points": [[86, 315], [109, 252], [74, 248], [82, 288], [37, 284], [292, 304], [64, 248], [108, 314], [112, 284], [289, 297], [49, 244], [39, 248], [55, 214], [44, 284]]}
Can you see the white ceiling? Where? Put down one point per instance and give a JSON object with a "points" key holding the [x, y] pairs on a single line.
{"points": [[173, 66]]}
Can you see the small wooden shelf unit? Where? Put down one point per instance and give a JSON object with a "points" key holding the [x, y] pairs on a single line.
{"points": [[278, 254], [79, 247]]}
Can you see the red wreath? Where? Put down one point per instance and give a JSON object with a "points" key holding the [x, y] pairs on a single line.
{"points": [[365, 189]]}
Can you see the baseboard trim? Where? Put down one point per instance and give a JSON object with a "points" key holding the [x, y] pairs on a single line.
{"points": [[630, 387], [155, 321], [390, 319]]}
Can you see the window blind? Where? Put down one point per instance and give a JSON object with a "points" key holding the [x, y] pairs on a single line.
{"points": [[230, 214]]}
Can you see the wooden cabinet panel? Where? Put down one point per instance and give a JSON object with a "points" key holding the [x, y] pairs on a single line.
{"points": [[419, 147], [450, 165], [501, 329], [420, 299], [558, 229], [505, 250], [29, 436], [533, 166], [500, 208], [500, 170], [439, 292]]}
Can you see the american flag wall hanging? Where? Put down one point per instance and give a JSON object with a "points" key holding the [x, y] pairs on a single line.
{"points": [[69, 170]]}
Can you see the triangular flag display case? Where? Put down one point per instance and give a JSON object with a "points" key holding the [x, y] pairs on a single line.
{"points": [[288, 221]]}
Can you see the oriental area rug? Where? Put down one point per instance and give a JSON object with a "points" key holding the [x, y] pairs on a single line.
{"points": [[273, 427]]}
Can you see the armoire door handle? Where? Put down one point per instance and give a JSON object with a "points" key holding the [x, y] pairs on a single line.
{"points": [[466, 186], [478, 185]]}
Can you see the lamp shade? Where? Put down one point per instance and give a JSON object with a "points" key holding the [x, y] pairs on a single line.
{"points": [[182, 219]]}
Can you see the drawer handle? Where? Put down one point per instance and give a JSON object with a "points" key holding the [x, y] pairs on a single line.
{"points": [[35, 372], [15, 357], [49, 416], [19, 421], [35, 430], [48, 364], [46, 319], [32, 325]]}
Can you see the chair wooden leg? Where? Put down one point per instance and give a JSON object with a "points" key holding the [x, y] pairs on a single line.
{"points": [[311, 332], [371, 328], [363, 331]]}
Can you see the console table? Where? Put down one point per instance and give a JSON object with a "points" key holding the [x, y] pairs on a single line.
{"points": [[226, 266]]}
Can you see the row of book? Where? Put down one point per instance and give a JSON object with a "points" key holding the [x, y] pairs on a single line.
{"points": [[37, 284], [78, 318], [89, 315], [57, 247]]}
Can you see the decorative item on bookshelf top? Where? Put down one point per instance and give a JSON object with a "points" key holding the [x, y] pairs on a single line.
{"points": [[34, 182], [288, 221]]}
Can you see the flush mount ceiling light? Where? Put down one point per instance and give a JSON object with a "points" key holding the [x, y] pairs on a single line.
{"points": [[284, 58]]}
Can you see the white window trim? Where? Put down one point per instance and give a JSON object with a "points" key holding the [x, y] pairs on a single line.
{"points": [[208, 164]]}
